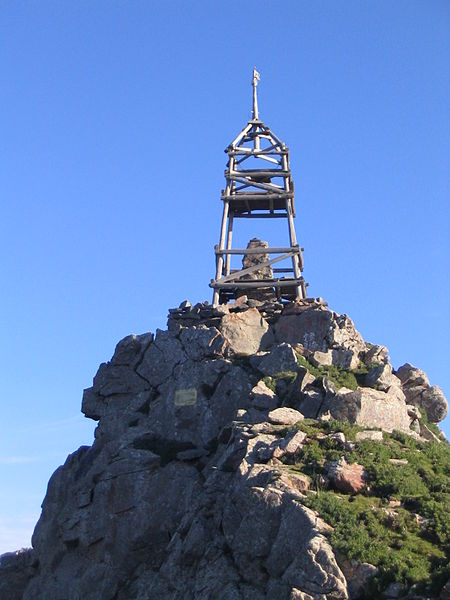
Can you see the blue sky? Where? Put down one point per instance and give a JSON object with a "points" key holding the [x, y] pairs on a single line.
{"points": [[114, 117]]}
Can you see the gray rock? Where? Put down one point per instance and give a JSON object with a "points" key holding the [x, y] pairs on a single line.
{"points": [[419, 393], [246, 332], [374, 436], [376, 355], [263, 397], [281, 358], [369, 408], [342, 357], [290, 445], [129, 351], [16, 571], [296, 543], [358, 576], [309, 328], [322, 359], [320, 330], [202, 342], [310, 402], [112, 379], [381, 378], [182, 494], [285, 416], [161, 358]]}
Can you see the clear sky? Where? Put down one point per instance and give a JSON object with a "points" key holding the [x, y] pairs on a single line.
{"points": [[114, 116]]}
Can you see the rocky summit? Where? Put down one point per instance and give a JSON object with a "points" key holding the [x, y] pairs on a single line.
{"points": [[253, 450]]}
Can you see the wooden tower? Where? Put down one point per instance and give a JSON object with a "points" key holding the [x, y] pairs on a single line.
{"points": [[264, 190]]}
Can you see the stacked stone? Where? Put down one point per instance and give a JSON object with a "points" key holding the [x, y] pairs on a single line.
{"points": [[252, 260], [187, 314]]}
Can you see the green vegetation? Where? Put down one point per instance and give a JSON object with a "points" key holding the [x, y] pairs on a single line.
{"points": [[408, 541], [271, 383], [391, 540], [340, 377]]}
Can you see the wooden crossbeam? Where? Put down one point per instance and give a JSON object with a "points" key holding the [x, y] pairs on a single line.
{"points": [[254, 215], [254, 268], [264, 186], [260, 283], [293, 249], [258, 196]]}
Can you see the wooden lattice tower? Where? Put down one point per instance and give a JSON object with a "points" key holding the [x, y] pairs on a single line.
{"points": [[264, 191]]}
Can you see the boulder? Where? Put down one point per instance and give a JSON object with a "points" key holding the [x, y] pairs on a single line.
{"points": [[345, 477], [376, 355], [290, 445], [368, 408], [374, 436], [246, 332], [310, 402], [263, 397], [358, 576], [202, 342], [298, 481], [285, 416], [381, 377], [309, 328], [342, 358], [418, 392], [319, 330], [281, 358]]}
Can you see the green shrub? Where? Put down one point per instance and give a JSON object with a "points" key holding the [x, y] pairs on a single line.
{"points": [[411, 544], [340, 377]]}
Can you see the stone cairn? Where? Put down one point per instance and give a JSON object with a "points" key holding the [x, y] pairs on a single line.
{"points": [[250, 260]]}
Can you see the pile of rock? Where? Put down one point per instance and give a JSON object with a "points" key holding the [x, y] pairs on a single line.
{"points": [[183, 494]]}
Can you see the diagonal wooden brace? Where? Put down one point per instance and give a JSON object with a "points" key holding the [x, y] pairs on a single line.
{"points": [[257, 267]]}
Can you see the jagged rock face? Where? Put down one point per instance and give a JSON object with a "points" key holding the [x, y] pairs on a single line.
{"points": [[183, 494], [419, 392]]}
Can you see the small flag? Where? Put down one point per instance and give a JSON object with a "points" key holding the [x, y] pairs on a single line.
{"points": [[256, 76]]}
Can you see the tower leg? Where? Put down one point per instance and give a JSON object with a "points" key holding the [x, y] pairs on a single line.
{"points": [[293, 240], [220, 261], [229, 238]]}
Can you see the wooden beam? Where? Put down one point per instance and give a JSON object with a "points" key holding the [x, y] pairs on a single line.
{"points": [[253, 215], [264, 186], [260, 283], [293, 249], [254, 268], [256, 196]]}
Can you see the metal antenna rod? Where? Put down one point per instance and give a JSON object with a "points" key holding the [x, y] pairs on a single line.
{"points": [[256, 77]]}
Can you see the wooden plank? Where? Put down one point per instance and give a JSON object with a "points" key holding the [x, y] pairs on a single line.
{"points": [[294, 249], [256, 196], [253, 215], [282, 270], [254, 268], [244, 132], [264, 186], [260, 283], [260, 172]]}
